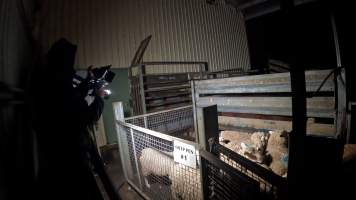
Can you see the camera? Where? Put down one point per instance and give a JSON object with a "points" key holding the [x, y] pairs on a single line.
{"points": [[96, 79], [101, 77]]}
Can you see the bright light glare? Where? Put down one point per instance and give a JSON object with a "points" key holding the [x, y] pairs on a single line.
{"points": [[107, 91]]}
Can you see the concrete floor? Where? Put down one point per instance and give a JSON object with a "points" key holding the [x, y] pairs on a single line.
{"points": [[112, 160]]}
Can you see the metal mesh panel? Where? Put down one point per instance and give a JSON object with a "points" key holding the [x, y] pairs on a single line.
{"points": [[224, 182], [175, 122], [131, 152], [137, 121], [265, 186], [271, 185], [154, 170]]}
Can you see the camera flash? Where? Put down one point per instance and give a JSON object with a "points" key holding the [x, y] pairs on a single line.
{"points": [[108, 92]]}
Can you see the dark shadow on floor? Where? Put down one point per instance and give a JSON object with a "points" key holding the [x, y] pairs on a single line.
{"points": [[111, 157]]}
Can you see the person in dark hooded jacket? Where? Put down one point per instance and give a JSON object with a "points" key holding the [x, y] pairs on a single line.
{"points": [[61, 119]]}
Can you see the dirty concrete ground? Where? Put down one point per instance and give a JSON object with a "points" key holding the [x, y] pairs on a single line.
{"points": [[112, 161], [126, 192]]}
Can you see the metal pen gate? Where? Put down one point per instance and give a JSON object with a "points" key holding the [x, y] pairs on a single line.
{"points": [[147, 155], [146, 146]]}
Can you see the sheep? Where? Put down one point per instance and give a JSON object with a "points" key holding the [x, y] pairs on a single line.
{"points": [[260, 147], [154, 162], [251, 146], [277, 151], [185, 182], [232, 139], [259, 143], [184, 179]]}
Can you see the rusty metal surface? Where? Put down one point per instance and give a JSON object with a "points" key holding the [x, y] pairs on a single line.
{"points": [[270, 95], [267, 83], [317, 106]]}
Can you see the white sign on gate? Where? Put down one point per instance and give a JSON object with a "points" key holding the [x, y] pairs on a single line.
{"points": [[185, 154]]}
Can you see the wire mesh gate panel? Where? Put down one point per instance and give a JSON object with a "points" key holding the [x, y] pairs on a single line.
{"points": [[154, 170], [177, 122], [148, 157], [271, 186], [221, 181], [150, 167]]}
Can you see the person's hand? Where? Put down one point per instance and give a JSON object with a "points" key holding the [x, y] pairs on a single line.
{"points": [[101, 92]]}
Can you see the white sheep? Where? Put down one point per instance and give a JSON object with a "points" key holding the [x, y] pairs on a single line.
{"points": [[259, 144], [277, 150], [251, 146], [156, 163], [185, 180]]}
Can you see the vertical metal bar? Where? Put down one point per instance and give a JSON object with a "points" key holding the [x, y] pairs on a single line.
{"points": [[204, 179], [135, 157], [336, 39], [138, 96], [122, 140], [208, 135], [132, 91], [145, 121], [208, 126], [142, 89], [341, 122], [201, 71], [348, 134], [296, 162], [194, 99], [338, 63], [340, 87]]}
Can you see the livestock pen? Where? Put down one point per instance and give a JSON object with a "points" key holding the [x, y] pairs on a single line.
{"points": [[151, 144], [263, 104], [162, 159]]}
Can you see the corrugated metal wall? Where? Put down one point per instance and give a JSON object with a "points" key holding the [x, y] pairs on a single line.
{"points": [[17, 148], [109, 31], [15, 46]]}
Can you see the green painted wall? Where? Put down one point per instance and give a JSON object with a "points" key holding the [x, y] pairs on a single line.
{"points": [[120, 92]]}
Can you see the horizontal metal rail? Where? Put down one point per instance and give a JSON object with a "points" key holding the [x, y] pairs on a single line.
{"points": [[317, 106], [175, 63], [170, 102], [156, 113], [168, 96], [174, 87], [267, 83], [156, 134]]}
